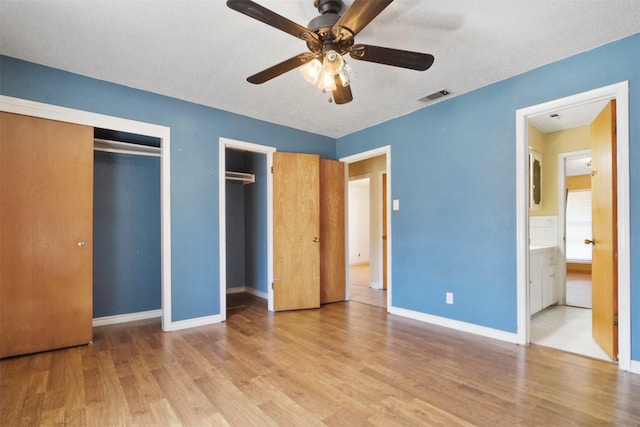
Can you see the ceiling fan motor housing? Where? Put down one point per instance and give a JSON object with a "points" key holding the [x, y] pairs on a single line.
{"points": [[328, 6], [323, 24]]}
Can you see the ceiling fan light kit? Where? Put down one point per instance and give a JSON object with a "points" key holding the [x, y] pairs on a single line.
{"points": [[329, 37]]}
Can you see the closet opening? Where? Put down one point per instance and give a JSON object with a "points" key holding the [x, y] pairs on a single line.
{"points": [[245, 223], [127, 268]]}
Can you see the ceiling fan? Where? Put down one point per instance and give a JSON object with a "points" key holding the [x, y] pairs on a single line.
{"points": [[329, 37]]}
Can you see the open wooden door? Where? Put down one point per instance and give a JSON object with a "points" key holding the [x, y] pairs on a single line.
{"points": [[604, 226], [46, 234], [384, 231], [333, 256], [296, 231]]}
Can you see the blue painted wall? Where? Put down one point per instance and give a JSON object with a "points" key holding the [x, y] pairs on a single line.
{"points": [[195, 132], [235, 234], [126, 231], [453, 170]]}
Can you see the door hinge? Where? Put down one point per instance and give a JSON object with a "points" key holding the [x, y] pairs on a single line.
{"points": [[272, 285], [615, 320], [271, 169], [614, 127]]}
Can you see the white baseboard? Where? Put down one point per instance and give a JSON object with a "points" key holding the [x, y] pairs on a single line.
{"points": [[635, 367], [456, 324], [128, 317], [198, 321], [375, 285], [249, 290], [259, 294]]}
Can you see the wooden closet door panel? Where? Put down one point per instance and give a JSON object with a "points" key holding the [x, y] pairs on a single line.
{"points": [[46, 233], [296, 231], [332, 231]]}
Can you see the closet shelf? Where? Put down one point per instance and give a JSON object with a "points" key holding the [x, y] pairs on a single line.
{"points": [[245, 178]]}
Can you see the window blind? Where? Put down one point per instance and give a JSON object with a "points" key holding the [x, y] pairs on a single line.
{"points": [[578, 220]]}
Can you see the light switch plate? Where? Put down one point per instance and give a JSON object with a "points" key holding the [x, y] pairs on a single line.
{"points": [[396, 205]]}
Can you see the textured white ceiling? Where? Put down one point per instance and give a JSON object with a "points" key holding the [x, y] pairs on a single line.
{"points": [[202, 51], [568, 118]]}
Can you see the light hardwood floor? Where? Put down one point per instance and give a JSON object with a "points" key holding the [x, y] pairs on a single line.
{"points": [[344, 364]]}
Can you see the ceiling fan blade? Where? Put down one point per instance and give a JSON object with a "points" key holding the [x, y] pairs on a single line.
{"points": [[262, 14], [395, 57], [357, 16], [342, 94], [281, 68]]}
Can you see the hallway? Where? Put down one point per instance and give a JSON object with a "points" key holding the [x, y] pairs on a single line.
{"points": [[359, 289]]}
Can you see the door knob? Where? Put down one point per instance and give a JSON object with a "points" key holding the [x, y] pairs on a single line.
{"points": [[587, 242], [316, 240], [81, 244]]}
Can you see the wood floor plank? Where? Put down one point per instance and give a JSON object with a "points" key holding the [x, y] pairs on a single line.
{"points": [[343, 364]]}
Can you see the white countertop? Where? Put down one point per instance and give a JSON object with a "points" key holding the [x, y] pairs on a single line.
{"points": [[536, 248]]}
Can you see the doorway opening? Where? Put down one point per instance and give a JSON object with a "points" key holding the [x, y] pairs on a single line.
{"points": [[528, 237], [359, 208], [126, 227], [246, 218], [369, 231]]}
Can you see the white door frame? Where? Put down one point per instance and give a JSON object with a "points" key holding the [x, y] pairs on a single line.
{"points": [[222, 201], [386, 151], [366, 176], [619, 92], [54, 112]]}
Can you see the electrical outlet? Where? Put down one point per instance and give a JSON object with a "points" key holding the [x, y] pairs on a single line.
{"points": [[449, 297]]}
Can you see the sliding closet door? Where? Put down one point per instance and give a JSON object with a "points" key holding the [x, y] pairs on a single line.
{"points": [[46, 202]]}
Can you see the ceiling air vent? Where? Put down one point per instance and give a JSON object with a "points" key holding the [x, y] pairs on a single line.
{"points": [[435, 95]]}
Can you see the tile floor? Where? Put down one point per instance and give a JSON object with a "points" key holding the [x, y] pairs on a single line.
{"points": [[566, 328]]}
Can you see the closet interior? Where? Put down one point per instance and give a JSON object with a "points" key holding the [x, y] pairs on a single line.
{"points": [[246, 222], [127, 228]]}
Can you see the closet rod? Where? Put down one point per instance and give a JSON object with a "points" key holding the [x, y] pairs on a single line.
{"points": [[246, 178], [119, 147]]}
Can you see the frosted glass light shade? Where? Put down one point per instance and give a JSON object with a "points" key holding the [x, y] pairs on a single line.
{"points": [[311, 71], [322, 74], [326, 81]]}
